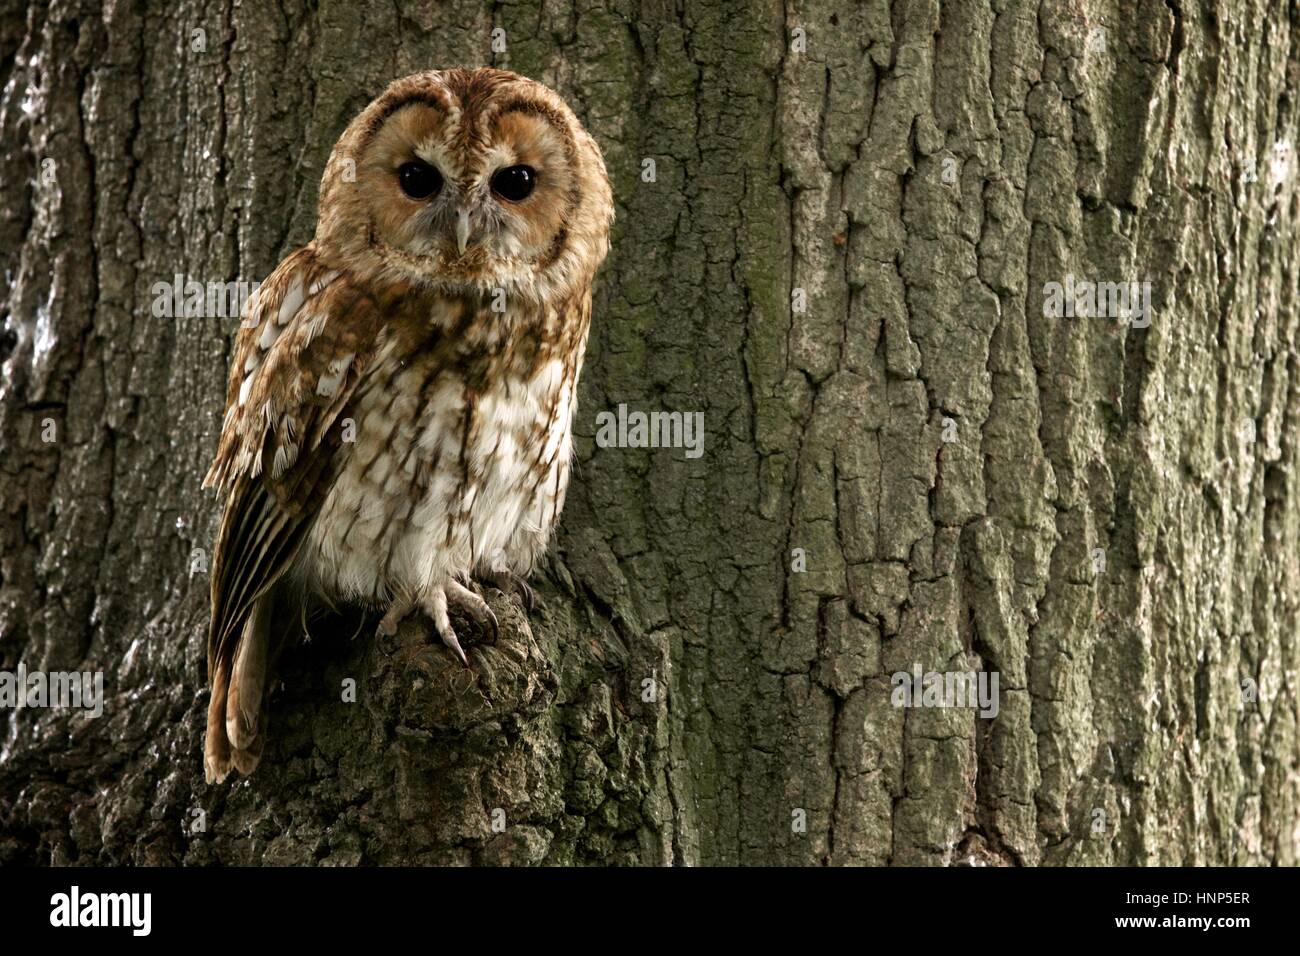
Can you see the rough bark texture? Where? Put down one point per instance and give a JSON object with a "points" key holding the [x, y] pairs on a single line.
{"points": [[1107, 516]]}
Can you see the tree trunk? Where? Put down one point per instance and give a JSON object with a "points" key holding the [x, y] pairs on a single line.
{"points": [[842, 255]]}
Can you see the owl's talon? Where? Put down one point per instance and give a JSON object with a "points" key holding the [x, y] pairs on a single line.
{"points": [[476, 607], [490, 620], [507, 582], [451, 641], [435, 605]]}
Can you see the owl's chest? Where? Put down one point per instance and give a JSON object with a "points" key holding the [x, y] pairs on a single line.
{"points": [[446, 469]]}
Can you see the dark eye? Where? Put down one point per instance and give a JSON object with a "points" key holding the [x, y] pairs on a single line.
{"points": [[514, 182], [419, 180]]}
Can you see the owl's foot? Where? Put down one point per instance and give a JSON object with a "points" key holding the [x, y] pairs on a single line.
{"points": [[435, 605], [475, 606], [507, 582], [396, 613]]}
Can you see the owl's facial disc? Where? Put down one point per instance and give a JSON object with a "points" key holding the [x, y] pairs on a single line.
{"points": [[455, 188]]}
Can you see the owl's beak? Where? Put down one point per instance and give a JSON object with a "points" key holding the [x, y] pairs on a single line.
{"points": [[462, 229]]}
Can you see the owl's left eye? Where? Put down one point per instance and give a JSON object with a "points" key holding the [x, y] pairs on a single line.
{"points": [[419, 180], [514, 183]]}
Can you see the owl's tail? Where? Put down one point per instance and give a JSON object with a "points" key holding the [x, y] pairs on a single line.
{"points": [[237, 711]]}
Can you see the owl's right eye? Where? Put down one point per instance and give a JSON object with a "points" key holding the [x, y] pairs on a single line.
{"points": [[419, 180]]}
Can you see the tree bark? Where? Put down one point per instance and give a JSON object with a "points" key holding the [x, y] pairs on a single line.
{"points": [[841, 259]]}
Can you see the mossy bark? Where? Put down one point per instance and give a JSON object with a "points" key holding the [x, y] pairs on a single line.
{"points": [[840, 259]]}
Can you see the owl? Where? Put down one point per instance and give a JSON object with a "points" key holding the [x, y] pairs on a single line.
{"points": [[398, 417]]}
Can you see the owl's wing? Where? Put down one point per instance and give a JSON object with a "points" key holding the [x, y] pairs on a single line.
{"points": [[305, 339]]}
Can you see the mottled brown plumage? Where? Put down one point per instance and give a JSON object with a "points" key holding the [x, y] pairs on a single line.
{"points": [[402, 389]]}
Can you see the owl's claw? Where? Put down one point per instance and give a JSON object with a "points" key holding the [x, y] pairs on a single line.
{"points": [[436, 607], [450, 640], [471, 602], [476, 606], [507, 582]]}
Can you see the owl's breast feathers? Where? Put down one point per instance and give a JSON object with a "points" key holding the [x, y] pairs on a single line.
{"points": [[461, 451], [317, 355]]}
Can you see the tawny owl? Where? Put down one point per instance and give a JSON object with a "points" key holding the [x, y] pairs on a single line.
{"points": [[402, 388]]}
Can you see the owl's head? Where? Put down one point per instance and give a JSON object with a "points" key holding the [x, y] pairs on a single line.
{"points": [[467, 180]]}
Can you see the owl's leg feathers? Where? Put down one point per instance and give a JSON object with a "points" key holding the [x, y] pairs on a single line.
{"points": [[507, 582]]}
